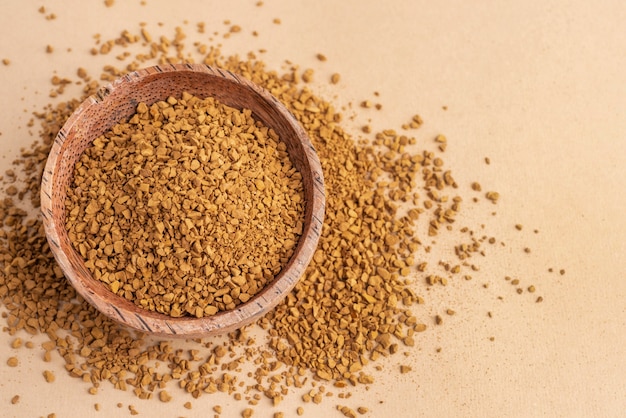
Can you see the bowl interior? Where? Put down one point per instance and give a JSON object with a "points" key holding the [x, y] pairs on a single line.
{"points": [[119, 100]]}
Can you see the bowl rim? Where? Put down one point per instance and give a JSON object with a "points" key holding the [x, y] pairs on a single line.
{"points": [[126, 312]]}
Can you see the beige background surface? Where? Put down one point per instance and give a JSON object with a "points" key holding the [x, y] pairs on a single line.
{"points": [[537, 86]]}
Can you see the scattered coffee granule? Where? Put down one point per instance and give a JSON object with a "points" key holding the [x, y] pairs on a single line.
{"points": [[279, 415], [96, 406], [132, 410], [416, 122], [307, 75], [476, 187], [201, 211], [6, 61], [300, 411], [15, 399], [247, 413], [109, 3], [321, 57], [187, 405], [405, 369], [49, 376], [493, 196], [12, 362], [16, 343], [276, 21], [334, 78], [487, 160], [441, 139], [164, 396], [562, 272], [362, 410], [346, 411], [49, 49]]}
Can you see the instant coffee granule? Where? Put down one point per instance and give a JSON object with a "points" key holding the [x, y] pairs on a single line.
{"points": [[189, 207], [352, 307]]}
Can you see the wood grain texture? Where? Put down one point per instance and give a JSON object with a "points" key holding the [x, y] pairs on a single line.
{"points": [[119, 100]]}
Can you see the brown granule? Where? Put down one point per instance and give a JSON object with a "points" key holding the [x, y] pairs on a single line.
{"points": [[493, 196], [307, 75], [164, 396], [346, 411], [49, 376]]}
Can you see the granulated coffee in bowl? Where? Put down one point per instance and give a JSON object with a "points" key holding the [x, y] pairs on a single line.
{"points": [[183, 200]]}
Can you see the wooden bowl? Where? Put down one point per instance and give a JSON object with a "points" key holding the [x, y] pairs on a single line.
{"points": [[117, 101]]}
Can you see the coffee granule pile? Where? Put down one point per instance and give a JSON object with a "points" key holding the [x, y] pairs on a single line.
{"points": [[190, 207], [354, 306]]}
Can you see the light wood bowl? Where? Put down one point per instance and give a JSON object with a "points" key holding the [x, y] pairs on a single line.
{"points": [[117, 101]]}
